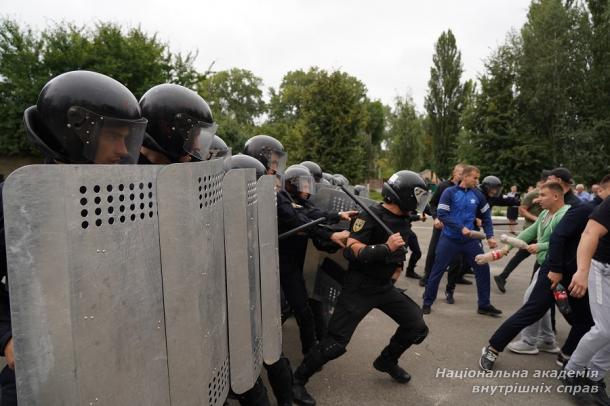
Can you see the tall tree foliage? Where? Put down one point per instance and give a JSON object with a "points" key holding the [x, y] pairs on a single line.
{"points": [[236, 99], [325, 117], [405, 138], [445, 101]]}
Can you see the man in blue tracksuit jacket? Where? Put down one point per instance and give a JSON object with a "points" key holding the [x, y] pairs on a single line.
{"points": [[458, 209]]}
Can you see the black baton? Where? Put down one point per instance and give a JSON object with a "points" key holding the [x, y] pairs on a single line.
{"points": [[373, 215], [301, 227]]}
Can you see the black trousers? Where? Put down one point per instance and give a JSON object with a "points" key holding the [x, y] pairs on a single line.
{"points": [[9, 387], [436, 234], [295, 293], [354, 305], [540, 301], [280, 379], [413, 244]]}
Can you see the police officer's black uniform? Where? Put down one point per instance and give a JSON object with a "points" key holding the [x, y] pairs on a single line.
{"points": [[368, 285], [293, 212]]}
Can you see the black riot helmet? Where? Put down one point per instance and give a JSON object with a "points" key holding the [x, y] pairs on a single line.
{"points": [[407, 190], [297, 179], [340, 180], [241, 161], [218, 148], [359, 190], [85, 117], [180, 122], [328, 177], [315, 170], [491, 186], [269, 151]]}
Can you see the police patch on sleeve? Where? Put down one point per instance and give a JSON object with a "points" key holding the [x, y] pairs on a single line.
{"points": [[358, 224]]}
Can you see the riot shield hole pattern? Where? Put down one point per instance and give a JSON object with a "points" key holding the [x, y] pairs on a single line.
{"points": [[218, 384], [251, 193], [210, 190], [145, 203], [339, 204]]}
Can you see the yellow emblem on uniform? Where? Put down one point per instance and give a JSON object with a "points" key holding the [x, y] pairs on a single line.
{"points": [[358, 224]]}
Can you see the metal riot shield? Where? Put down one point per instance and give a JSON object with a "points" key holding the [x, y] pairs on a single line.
{"points": [[194, 287], [243, 278], [269, 269], [85, 285]]}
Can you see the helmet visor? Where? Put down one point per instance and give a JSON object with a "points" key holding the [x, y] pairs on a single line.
{"points": [[422, 196], [107, 140], [276, 160], [198, 140], [303, 184]]}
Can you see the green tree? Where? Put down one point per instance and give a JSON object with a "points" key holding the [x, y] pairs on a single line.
{"points": [[236, 99], [323, 116], [405, 137], [445, 102]]}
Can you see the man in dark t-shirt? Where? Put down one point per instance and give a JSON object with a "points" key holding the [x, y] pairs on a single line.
{"points": [[590, 362]]}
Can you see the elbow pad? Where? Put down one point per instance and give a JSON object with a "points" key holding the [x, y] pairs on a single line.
{"points": [[369, 254]]}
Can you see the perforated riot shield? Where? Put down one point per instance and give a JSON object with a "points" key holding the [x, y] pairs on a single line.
{"points": [[194, 286], [85, 285], [243, 278], [269, 269]]}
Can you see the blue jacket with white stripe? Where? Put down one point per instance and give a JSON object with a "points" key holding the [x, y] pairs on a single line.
{"points": [[459, 207]]}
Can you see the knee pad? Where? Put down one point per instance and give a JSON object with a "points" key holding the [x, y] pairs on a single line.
{"points": [[331, 349], [421, 335]]}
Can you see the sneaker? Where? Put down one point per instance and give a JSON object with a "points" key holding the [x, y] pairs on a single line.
{"points": [[488, 357], [551, 348], [501, 283], [426, 309], [449, 297], [463, 281], [562, 359], [521, 347], [412, 274], [489, 310], [422, 282], [597, 392]]}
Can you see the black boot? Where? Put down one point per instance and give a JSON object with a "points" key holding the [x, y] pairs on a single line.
{"points": [[280, 379], [388, 362], [301, 396], [312, 363], [412, 274], [257, 396]]}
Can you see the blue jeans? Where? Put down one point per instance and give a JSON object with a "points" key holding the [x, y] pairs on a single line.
{"points": [[446, 250]]}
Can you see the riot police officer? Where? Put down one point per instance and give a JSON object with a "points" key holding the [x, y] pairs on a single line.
{"points": [[80, 117], [269, 151], [218, 148], [180, 125], [375, 261], [294, 209], [314, 169]]}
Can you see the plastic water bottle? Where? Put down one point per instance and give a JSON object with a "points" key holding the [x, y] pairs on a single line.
{"points": [[561, 298]]}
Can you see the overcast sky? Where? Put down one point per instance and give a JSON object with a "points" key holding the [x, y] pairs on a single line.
{"points": [[386, 44]]}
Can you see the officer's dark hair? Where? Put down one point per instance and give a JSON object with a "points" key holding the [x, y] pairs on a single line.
{"points": [[553, 187], [605, 179], [468, 169]]}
